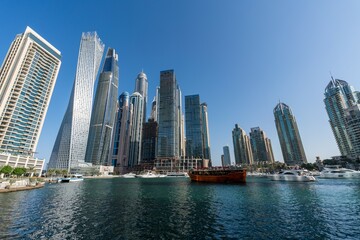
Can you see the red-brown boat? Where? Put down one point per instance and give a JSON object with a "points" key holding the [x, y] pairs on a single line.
{"points": [[218, 175]]}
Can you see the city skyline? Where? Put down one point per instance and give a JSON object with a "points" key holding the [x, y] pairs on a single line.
{"points": [[236, 54]]}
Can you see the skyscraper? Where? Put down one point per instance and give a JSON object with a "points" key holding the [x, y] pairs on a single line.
{"points": [[149, 141], [168, 140], [137, 108], [27, 79], [261, 146], [193, 123], [205, 131], [289, 136], [339, 96], [70, 145], [352, 118], [226, 161], [103, 113], [141, 86], [121, 135], [242, 148]]}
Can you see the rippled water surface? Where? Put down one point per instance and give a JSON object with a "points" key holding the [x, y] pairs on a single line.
{"points": [[175, 208]]}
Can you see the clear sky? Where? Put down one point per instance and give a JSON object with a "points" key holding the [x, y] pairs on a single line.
{"points": [[242, 57]]}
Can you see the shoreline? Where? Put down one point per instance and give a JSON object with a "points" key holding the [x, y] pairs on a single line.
{"points": [[21, 188]]}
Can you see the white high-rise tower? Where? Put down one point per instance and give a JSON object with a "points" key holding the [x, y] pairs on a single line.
{"points": [[27, 80], [70, 145]]}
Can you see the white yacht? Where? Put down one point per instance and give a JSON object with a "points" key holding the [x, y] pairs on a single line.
{"points": [[293, 176], [74, 178], [336, 172], [129, 175], [148, 174]]}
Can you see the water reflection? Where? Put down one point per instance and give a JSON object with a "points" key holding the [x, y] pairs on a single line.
{"points": [[178, 209]]}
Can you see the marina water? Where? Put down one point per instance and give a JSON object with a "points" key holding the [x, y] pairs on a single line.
{"points": [[175, 208]]}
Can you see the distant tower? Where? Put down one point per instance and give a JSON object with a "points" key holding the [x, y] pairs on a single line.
{"points": [[168, 140], [103, 113], [70, 145], [121, 135], [289, 136], [27, 79], [141, 86], [205, 131], [261, 146], [242, 148], [137, 108], [194, 141], [339, 96], [226, 159]]}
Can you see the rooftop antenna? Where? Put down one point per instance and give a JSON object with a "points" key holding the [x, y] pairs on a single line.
{"points": [[331, 76]]}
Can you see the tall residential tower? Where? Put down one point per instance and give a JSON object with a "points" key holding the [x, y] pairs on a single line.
{"points": [[103, 113], [169, 108], [339, 96], [242, 147], [289, 136], [70, 145], [27, 79]]}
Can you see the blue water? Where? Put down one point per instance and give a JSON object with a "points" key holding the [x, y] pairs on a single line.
{"points": [[175, 208]]}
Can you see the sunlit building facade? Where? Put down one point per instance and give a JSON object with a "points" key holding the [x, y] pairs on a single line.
{"points": [[168, 110], [136, 125], [70, 145], [261, 146], [205, 131], [339, 96], [352, 118], [242, 147], [103, 112], [141, 86], [289, 136], [121, 135], [27, 79]]}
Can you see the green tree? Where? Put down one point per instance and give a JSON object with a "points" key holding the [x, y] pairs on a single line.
{"points": [[18, 171], [6, 170], [58, 172], [64, 172]]}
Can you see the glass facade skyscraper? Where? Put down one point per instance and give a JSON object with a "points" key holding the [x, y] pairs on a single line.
{"points": [[136, 125], [193, 123], [103, 113], [261, 146], [121, 136], [168, 117], [289, 136], [352, 118], [141, 86], [242, 148], [27, 79], [70, 145], [339, 96], [226, 160]]}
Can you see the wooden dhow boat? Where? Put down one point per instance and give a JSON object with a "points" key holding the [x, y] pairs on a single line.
{"points": [[218, 175]]}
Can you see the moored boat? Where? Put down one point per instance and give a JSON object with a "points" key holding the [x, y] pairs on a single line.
{"points": [[292, 176], [148, 175], [129, 175], [334, 172], [218, 175]]}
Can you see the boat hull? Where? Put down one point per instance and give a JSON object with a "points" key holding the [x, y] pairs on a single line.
{"points": [[218, 176], [292, 178]]}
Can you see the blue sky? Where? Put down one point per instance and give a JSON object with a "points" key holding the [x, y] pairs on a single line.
{"points": [[242, 57]]}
